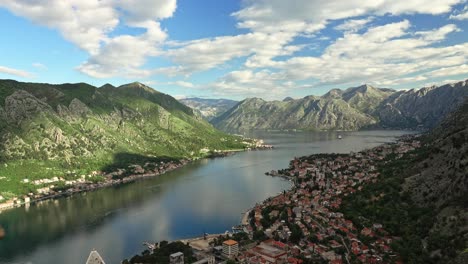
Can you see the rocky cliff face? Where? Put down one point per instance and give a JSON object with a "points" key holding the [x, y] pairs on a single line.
{"points": [[442, 174], [439, 180], [306, 113], [425, 107], [22, 105], [336, 110], [351, 109]]}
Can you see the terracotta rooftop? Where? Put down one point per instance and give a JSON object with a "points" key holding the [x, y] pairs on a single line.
{"points": [[230, 242]]}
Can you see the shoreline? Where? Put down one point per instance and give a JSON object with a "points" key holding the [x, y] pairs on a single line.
{"points": [[82, 187], [244, 222], [86, 187]]}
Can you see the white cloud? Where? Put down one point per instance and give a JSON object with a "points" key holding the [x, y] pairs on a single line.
{"points": [[438, 34], [39, 66], [205, 54], [310, 15], [15, 72], [274, 24], [354, 25], [460, 15], [124, 55], [184, 84], [383, 54], [249, 83], [141, 11], [88, 24], [449, 71], [82, 22]]}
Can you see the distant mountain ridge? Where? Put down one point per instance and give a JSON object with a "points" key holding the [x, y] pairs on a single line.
{"points": [[351, 109], [209, 108]]}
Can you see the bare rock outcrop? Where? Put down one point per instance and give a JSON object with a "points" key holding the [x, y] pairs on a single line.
{"points": [[22, 105]]}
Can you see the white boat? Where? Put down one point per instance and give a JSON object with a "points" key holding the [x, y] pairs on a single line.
{"points": [[340, 137]]}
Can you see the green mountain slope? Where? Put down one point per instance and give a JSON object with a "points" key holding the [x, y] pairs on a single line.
{"points": [[48, 130], [421, 198], [351, 109]]}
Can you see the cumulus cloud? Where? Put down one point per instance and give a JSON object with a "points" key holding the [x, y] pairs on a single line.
{"points": [[382, 53], [253, 83], [124, 55], [89, 24], [205, 54], [15, 72], [140, 11], [460, 15], [385, 55], [274, 24], [310, 15], [85, 23], [438, 34], [354, 25]]}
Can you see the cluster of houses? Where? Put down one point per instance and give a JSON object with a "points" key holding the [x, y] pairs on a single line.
{"points": [[49, 188], [312, 209]]}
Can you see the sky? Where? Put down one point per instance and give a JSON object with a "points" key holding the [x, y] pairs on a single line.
{"points": [[236, 49]]}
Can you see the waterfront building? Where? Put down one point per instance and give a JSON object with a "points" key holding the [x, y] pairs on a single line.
{"points": [[230, 248]]}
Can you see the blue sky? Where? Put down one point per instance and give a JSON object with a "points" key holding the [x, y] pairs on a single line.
{"points": [[236, 49]]}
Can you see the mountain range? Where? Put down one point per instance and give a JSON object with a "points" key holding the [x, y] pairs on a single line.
{"points": [[53, 130], [351, 109], [209, 108]]}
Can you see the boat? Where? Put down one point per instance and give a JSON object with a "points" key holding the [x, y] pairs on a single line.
{"points": [[340, 137]]}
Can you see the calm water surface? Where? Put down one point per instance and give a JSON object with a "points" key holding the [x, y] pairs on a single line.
{"points": [[205, 196]]}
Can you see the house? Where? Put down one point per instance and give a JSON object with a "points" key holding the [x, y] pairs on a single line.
{"points": [[269, 252], [176, 258], [366, 232]]}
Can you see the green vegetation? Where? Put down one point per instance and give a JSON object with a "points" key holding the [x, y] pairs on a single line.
{"points": [[242, 238], [161, 254], [51, 131], [387, 203]]}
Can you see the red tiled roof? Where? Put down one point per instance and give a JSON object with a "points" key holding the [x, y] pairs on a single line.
{"points": [[230, 242]]}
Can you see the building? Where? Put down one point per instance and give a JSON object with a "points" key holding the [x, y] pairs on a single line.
{"points": [[270, 253], [176, 258], [207, 260], [95, 258], [230, 248]]}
